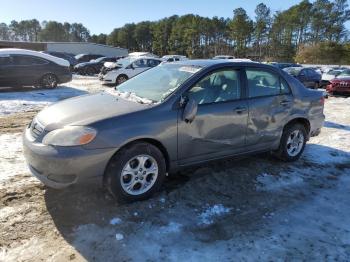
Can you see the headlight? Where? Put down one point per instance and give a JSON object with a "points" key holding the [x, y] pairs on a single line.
{"points": [[70, 136]]}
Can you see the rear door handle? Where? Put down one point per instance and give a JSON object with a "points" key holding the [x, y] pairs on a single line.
{"points": [[285, 102], [240, 109]]}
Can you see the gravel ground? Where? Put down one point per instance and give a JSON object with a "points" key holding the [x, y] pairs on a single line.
{"points": [[249, 209]]}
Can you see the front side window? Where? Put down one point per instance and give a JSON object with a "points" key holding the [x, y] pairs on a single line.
{"points": [[263, 83], [219, 86], [140, 63]]}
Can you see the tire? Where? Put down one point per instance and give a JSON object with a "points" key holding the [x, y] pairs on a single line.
{"points": [[49, 81], [285, 151], [121, 79], [128, 179]]}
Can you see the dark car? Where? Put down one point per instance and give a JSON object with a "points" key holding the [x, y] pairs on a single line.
{"points": [[94, 66], [69, 57], [20, 67], [81, 58], [169, 117], [309, 77]]}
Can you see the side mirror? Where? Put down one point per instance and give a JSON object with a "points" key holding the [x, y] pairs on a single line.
{"points": [[190, 111], [131, 66]]}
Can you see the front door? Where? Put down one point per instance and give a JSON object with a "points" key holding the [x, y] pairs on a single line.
{"points": [[219, 128]]}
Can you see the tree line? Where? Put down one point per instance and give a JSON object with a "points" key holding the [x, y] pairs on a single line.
{"points": [[297, 33], [33, 31]]}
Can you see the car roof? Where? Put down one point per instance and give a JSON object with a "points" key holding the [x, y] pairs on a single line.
{"points": [[17, 51]]}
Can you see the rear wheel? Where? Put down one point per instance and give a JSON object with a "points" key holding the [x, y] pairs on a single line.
{"points": [[49, 81], [135, 172], [121, 79], [292, 143]]}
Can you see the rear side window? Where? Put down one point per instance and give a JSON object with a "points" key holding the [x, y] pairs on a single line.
{"points": [[264, 83], [28, 60], [152, 62]]}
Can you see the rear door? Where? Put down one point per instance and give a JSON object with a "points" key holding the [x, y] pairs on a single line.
{"points": [[270, 103], [219, 128], [6, 75]]}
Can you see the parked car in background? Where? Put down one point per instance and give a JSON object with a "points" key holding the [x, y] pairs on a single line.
{"points": [[142, 54], [326, 77], [69, 57], [317, 69], [169, 117], [223, 57], [81, 58], [309, 77], [19, 67], [128, 68], [284, 65], [94, 66], [340, 84], [174, 58]]}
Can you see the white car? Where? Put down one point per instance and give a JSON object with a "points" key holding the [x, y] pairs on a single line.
{"points": [[173, 58], [128, 68], [142, 54]]}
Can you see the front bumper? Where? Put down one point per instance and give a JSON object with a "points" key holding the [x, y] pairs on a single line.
{"points": [[59, 167]]}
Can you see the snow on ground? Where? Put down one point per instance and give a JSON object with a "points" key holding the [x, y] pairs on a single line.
{"points": [[11, 156], [34, 99], [252, 209]]}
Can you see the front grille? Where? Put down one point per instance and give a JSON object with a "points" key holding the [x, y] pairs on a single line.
{"points": [[36, 129]]}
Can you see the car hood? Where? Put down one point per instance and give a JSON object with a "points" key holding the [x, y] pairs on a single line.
{"points": [[87, 109]]}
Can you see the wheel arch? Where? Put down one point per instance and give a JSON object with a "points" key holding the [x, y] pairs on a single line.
{"points": [[151, 141], [301, 120]]}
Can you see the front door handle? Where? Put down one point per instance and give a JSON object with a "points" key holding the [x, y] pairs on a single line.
{"points": [[240, 109]]}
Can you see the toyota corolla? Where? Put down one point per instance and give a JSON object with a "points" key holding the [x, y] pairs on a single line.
{"points": [[169, 117]]}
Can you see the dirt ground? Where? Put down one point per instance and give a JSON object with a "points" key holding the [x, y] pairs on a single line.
{"points": [[256, 208]]}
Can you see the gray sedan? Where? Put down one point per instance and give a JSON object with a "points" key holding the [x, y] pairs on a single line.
{"points": [[172, 116]]}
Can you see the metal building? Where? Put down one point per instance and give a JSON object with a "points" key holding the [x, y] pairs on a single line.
{"points": [[68, 47]]}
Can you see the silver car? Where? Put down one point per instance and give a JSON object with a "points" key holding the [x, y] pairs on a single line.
{"points": [[169, 117]]}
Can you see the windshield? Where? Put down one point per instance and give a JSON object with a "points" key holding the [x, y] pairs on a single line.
{"points": [[345, 73], [159, 82], [125, 61]]}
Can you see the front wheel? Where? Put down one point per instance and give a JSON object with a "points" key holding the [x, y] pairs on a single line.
{"points": [[121, 79], [135, 172], [49, 81], [292, 143]]}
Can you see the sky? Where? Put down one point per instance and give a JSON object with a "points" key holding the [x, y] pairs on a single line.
{"points": [[102, 16]]}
